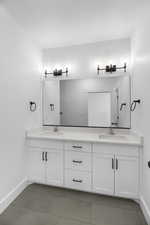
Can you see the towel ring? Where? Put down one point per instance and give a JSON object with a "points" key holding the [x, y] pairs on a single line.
{"points": [[32, 106]]}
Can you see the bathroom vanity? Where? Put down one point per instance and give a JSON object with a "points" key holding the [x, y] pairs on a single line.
{"points": [[93, 162], [86, 158]]}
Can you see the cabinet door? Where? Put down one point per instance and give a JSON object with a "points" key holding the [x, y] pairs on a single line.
{"points": [[36, 168], [103, 173], [126, 177], [54, 168]]}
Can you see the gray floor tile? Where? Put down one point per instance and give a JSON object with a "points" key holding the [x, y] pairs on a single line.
{"points": [[73, 209], [59, 206], [108, 215], [66, 221], [27, 217], [116, 202], [45, 205]]}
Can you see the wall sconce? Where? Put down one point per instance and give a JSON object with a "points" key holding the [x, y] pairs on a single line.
{"points": [[111, 68], [56, 73]]}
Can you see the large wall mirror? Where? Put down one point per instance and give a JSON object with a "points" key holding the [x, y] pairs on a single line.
{"points": [[87, 102]]}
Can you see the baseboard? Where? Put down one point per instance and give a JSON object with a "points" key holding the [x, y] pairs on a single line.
{"points": [[145, 209], [11, 196]]}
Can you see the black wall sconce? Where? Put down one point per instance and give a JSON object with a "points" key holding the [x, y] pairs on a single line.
{"points": [[111, 68], [134, 103], [56, 73]]}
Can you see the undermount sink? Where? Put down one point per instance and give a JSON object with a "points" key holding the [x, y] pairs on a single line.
{"points": [[112, 136]]}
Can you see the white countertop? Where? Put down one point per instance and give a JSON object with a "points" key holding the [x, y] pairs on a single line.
{"points": [[96, 137]]}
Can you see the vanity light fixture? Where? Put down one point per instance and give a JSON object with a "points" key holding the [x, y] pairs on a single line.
{"points": [[111, 68], [56, 72]]}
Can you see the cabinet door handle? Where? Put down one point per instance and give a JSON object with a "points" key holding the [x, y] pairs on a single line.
{"points": [[77, 181], [75, 146], [46, 156], [116, 164], [43, 156], [76, 161], [112, 163]]}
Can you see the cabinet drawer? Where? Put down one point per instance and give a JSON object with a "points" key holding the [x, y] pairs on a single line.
{"points": [[124, 150], [78, 146], [78, 160], [78, 180], [49, 144]]}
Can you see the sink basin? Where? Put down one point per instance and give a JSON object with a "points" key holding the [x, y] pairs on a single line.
{"points": [[112, 137]]}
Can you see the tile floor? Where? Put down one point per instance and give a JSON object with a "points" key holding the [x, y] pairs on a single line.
{"points": [[45, 205]]}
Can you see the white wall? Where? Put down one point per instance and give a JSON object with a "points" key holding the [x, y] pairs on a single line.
{"points": [[82, 60], [19, 83], [51, 95], [124, 97], [141, 89]]}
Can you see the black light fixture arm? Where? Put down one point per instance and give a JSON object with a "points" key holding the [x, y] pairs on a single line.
{"points": [[56, 72], [112, 68]]}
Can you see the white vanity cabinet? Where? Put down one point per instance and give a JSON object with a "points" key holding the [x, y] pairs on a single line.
{"points": [[104, 168], [127, 176], [36, 165], [45, 162], [54, 168], [116, 170], [103, 173]]}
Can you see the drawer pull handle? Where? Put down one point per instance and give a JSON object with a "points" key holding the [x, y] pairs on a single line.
{"points": [[112, 163], [43, 156], [75, 146], [46, 156], [75, 161], [77, 181], [116, 164]]}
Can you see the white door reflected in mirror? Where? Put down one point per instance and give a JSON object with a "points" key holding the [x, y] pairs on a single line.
{"points": [[99, 109]]}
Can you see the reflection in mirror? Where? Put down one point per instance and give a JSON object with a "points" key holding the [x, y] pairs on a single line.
{"points": [[99, 109], [90, 102]]}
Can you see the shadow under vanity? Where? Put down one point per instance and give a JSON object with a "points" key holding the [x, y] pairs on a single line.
{"points": [[78, 155]]}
